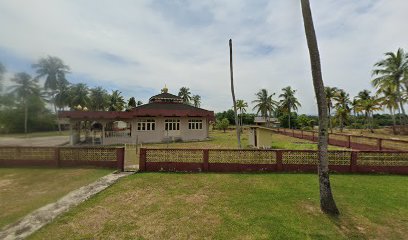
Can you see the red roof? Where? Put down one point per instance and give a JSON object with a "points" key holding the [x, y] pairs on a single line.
{"points": [[146, 110]]}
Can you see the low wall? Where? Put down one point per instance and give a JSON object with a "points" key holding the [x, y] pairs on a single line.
{"points": [[234, 160], [61, 157]]}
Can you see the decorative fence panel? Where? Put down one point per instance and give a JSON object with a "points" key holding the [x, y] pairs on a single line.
{"points": [[233, 160], [61, 157]]}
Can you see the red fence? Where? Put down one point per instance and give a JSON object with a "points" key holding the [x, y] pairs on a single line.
{"points": [[62, 157], [234, 160], [349, 141]]}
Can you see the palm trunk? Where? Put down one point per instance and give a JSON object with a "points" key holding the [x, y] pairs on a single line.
{"points": [[394, 131], [341, 124], [403, 119], [327, 203], [56, 115], [233, 98], [330, 122], [25, 116], [289, 118]]}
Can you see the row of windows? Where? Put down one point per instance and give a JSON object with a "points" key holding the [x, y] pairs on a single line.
{"points": [[169, 124]]}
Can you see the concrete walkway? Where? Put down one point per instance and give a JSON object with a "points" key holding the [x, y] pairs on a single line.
{"points": [[42, 216], [34, 141]]}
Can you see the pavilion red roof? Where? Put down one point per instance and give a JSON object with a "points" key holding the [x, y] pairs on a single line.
{"points": [[147, 110]]}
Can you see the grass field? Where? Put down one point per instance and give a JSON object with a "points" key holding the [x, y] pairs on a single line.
{"points": [[36, 134], [219, 139], [23, 190], [379, 133], [238, 206]]}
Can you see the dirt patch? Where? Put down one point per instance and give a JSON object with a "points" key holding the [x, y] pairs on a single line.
{"points": [[5, 183]]}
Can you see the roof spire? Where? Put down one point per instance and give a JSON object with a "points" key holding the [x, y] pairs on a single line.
{"points": [[165, 89]]}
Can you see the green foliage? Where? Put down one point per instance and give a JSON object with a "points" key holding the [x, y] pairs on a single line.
{"points": [[196, 100], [223, 124], [284, 120], [132, 102], [116, 102], [98, 99], [226, 114], [185, 94]]}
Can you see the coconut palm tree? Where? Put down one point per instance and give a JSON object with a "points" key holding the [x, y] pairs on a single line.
{"points": [[288, 101], [79, 95], [2, 72], [241, 106], [62, 97], [389, 100], [393, 70], [342, 106], [98, 99], [185, 94], [265, 104], [369, 106], [54, 71], [24, 88], [354, 106], [117, 102], [330, 93], [139, 103], [327, 203], [233, 97], [196, 100]]}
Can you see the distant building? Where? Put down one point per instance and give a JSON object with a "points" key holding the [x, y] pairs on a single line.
{"points": [[164, 118], [262, 121]]}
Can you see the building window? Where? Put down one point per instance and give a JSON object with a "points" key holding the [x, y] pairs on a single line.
{"points": [[195, 124], [172, 124], [146, 125]]}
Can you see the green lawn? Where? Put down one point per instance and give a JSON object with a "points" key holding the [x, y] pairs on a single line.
{"points": [[238, 206], [23, 190], [36, 134], [285, 142], [219, 139]]}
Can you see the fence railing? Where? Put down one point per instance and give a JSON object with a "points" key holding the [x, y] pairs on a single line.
{"points": [[251, 160], [62, 157], [348, 141]]}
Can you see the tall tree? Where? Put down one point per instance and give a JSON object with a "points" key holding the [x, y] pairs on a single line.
{"points": [[54, 71], [79, 95], [25, 87], [369, 106], [393, 71], [62, 97], [185, 94], [98, 99], [330, 93], [241, 105], [117, 102], [132, 102], [2, 72], [265, 104], [196, 100], [233, 97], [342, 107], [327, 203], [288, 101], [390, 101]]}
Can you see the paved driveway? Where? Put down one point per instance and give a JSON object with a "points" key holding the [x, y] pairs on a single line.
{"points": [[35, 141]]}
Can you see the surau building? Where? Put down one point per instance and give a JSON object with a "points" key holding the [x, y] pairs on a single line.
{"points": [[165, 118]]}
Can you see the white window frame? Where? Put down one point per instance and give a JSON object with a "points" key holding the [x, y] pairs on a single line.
{"points": [[172, 124], [146, 125], [195, 124]]}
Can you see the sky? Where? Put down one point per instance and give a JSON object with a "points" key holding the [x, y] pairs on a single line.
{"points": [[138, 47]]}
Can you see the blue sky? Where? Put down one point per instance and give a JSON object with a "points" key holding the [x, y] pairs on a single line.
{"points": [[139, 46]]}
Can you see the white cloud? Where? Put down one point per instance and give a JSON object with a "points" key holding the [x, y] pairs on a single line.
{"points": [[138, 46]]}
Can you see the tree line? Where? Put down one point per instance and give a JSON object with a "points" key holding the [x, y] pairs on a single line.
{"points": [[390, 79]]}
